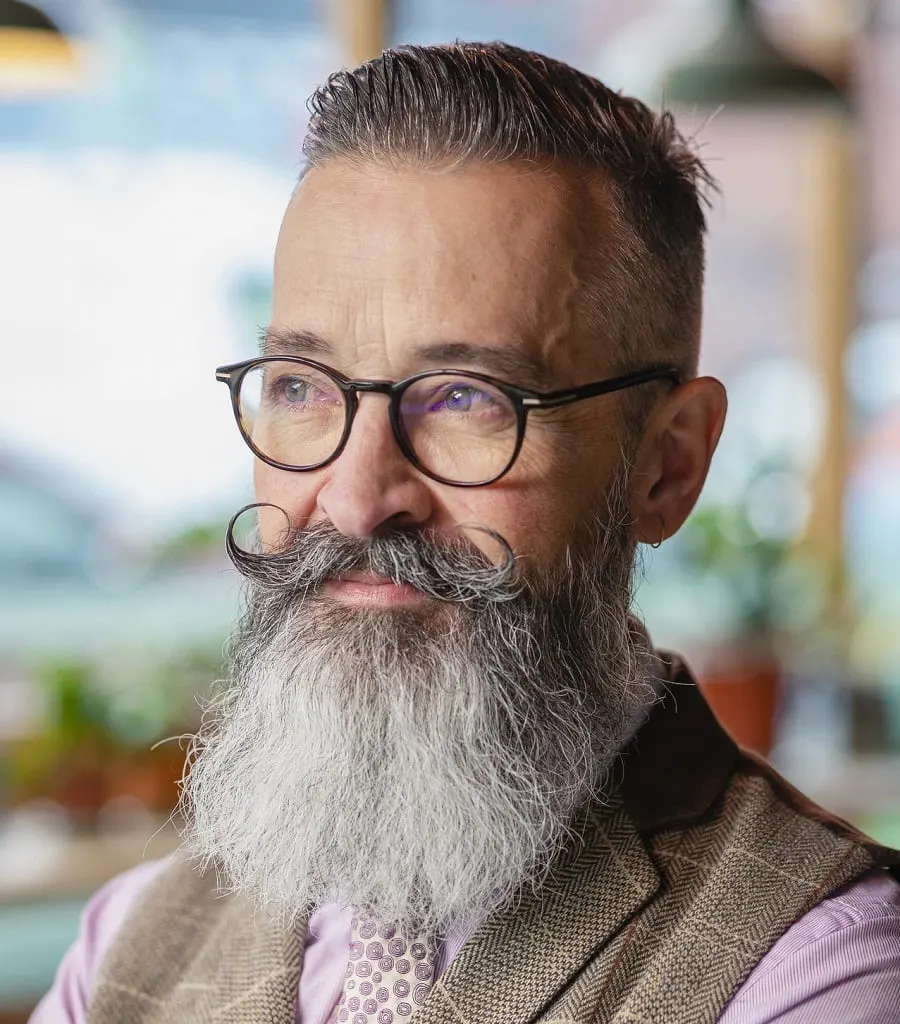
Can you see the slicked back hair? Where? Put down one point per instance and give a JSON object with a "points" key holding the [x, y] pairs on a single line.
{"points": [[455, 105]]}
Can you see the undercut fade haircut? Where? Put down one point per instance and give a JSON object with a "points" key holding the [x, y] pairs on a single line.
{"points": [[489, 103]]}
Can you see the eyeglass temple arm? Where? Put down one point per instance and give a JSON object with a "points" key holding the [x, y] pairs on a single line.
{"points": [[553, 399]]}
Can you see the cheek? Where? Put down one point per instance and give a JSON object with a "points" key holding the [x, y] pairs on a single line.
{"points": [[551, 493], [536, 519], [294, 493]]}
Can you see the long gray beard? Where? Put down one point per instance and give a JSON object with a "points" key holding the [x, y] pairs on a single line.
{"points": [[425, 764]]}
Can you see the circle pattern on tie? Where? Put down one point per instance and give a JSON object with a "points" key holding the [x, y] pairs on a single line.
{"points": [[389, 974]]}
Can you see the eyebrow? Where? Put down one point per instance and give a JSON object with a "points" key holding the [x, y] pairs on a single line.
{"points": [[507, 363], [289, 341]]}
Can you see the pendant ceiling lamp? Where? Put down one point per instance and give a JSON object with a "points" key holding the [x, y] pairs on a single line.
{"points": [[35, 57]]}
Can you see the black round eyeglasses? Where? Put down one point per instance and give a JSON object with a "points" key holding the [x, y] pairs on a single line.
{"points": [[455, 426]]}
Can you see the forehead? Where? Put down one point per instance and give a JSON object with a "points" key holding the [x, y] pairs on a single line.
{"points": [[379, 261]]}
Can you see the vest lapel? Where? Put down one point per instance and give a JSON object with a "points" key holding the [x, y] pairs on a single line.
{"points": [[520, 959]]}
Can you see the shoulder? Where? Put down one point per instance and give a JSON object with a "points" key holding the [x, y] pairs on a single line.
{"points": [[101, 920], [840, 961]]}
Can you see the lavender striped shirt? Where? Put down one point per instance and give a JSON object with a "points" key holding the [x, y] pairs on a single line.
{"points": [[839, 964]]}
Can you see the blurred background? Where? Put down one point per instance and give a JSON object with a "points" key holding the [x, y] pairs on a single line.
{"points": [[147, 151]]}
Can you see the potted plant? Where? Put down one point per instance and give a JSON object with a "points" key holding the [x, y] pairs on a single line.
{"points": [[101, 734], [773, 596]]}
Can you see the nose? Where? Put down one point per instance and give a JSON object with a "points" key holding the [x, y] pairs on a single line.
{"points": [[372, 486]]}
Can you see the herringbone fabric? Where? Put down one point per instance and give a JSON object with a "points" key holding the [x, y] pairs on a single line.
{"points": [[655, 915]]}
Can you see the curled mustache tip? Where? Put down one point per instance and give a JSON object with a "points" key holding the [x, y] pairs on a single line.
{"points": [[508, 565], [235, 552]]}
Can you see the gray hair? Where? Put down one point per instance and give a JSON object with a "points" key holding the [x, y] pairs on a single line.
{"points": [[469, 103], [424, 764]]}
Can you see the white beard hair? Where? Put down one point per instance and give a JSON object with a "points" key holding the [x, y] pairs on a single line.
{"points": [[423, 766]]}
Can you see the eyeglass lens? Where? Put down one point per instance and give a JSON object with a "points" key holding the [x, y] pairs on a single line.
{"points": [[459, 428]]}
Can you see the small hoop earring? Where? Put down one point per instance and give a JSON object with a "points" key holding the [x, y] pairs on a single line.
{"points": [[662, 535]]}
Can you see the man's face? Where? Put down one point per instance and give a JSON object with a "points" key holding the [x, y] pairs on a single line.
{"points": [[383, 264], [406, 726]]}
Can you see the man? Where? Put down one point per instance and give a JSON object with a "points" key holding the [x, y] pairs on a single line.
{"points": [[448, 775]]}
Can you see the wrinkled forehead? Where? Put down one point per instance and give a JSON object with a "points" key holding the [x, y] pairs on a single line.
{"points": [[378, 260]]}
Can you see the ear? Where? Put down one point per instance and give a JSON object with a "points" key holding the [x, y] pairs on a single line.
{"points": [[673, 458]]}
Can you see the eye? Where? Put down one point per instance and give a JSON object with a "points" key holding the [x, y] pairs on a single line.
{"points": [[294, 390], [451, 402], [462, 397]]}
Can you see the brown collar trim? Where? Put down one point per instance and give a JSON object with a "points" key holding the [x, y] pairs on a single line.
{"points": [[681, 758]]}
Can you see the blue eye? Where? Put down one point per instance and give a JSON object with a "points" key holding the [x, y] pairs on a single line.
{"points": [[296, 390], [462, 398], [452, 402], [299, 391]]}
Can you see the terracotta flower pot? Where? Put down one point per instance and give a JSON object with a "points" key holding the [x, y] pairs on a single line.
{"points": [[744, 696], [150, 776]]}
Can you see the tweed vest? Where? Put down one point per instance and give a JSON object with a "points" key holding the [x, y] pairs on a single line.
{"points": [[675, 888]]}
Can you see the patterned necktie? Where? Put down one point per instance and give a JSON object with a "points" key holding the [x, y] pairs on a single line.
{"points": [[389, 973]]}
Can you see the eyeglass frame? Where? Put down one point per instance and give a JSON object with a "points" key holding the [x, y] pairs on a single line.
{"points": [[523, 400]]}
